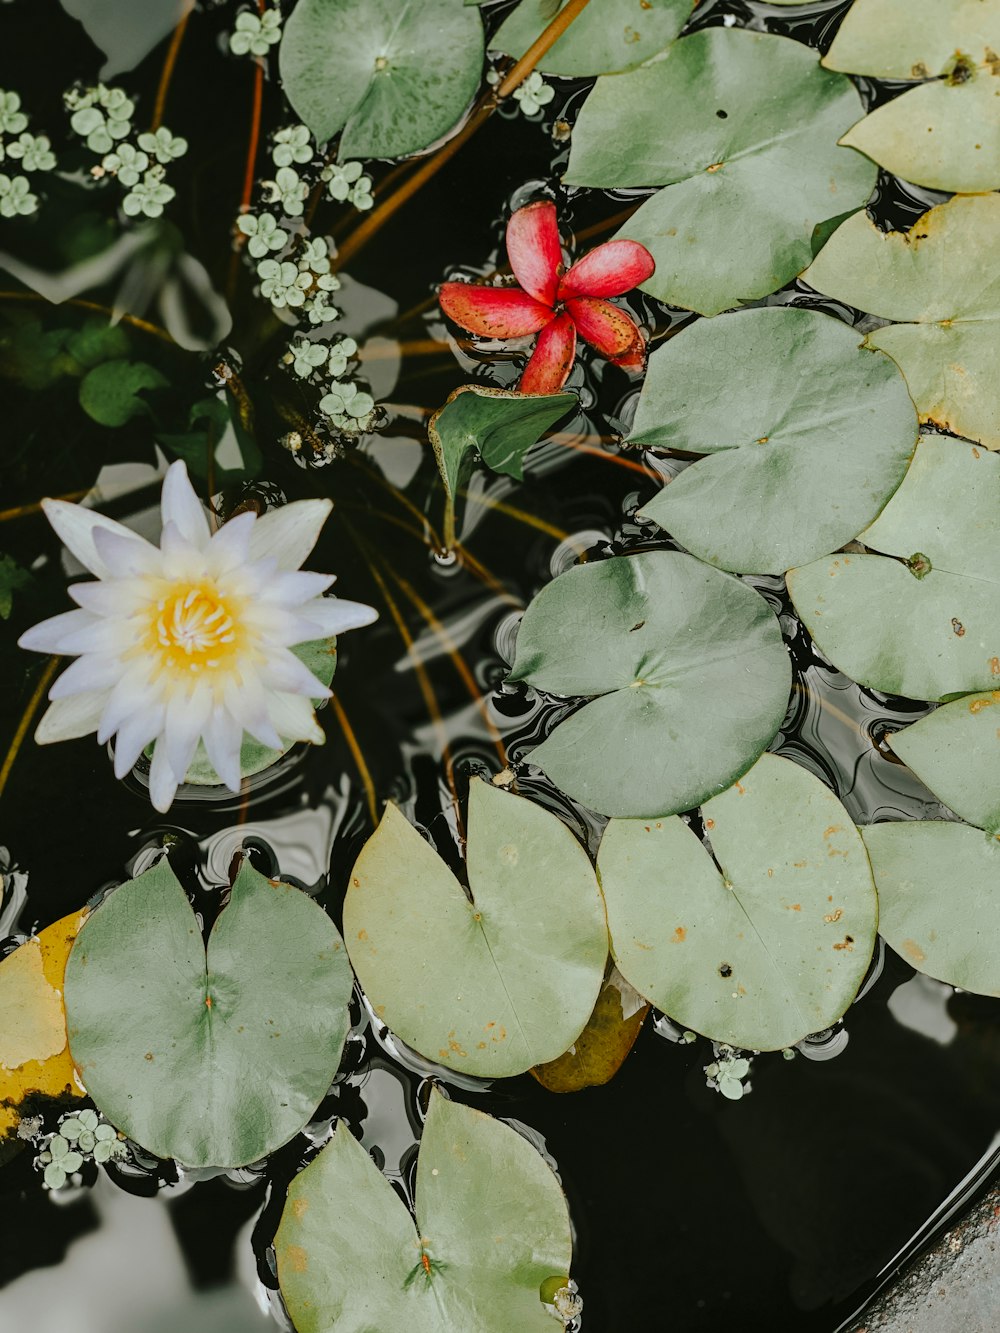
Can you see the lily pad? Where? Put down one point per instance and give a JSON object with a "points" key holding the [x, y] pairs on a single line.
{"points": [[779, 399], [763, 940], [491, 1227], [34, 1055], [607, 37], [110, 393], [941, 282], [690, 668], [944, 133], [492, 984], [750, 177], [603, 1045], [956, 753], [925, 624], [390, 76], [500, 424], [214, 1058], [939, 898]]}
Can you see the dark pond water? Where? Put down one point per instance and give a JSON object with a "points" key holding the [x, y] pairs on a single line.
{"points": [[780, 1211]]}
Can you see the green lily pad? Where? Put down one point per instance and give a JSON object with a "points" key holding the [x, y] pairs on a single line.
{"points": [[690, 668], [607, 37], [944, 133], [216, 1059], [750, 177], [500, 424], [493, 984], [956, 753], [927, 623], [940, 282], [392, 75], [939, 899], [491, 1227], [776, 398], [760, 942], [110, 393]]}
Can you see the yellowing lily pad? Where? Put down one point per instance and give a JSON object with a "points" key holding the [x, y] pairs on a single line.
{"points": [[601, 1048]]}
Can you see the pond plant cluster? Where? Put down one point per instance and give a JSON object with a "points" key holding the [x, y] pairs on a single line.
{"points": [[851, 455]]}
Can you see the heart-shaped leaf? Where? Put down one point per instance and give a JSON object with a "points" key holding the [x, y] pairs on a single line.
{"points": [[941, 280], [215, 1059], [776, 398], [944, 133], [491, 1228], [111, 392], [749, 177], [927, 623], [492, 985], [605, 38], [691, 670], [956, 753], [763, 940], [939, 899], [500, 424], [392, 75]]}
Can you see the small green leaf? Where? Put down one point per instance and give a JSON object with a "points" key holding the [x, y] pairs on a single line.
{"points": [[938, 280], [491, 1226], [690, 668], [930, 628], [772, 396], [390, 77], [98, 341], [939, 899], [224, 1056], [956, 753], [460, 980], [762, 941], [607, 37], [110, 393], [748, 177]]}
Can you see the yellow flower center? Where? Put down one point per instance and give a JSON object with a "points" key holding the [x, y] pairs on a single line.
{"points": [[193, 628]]}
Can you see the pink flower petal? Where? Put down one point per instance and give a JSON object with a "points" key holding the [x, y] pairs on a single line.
{"points": [[550, 363], [534, 251], [611, 270], [493, 312], [603, 325]]}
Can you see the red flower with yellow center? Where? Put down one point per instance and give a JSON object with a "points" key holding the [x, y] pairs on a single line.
{"points": [[556, 305]]}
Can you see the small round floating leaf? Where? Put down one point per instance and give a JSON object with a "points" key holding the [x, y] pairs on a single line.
{"points": [[749, 177], [215, 1060], [690, 668], [111, 392], [939, 281], [607, 37], [939, 899], [491, 1226], [927, 623], [392, 75], [956, 753], [492, 986], [767, 942], [776, 398]]}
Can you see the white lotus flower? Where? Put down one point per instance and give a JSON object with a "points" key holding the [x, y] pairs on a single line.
{"points": [[190, 641]]}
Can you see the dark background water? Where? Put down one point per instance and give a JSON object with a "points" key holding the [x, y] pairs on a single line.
{"points": [[691, 1212]]}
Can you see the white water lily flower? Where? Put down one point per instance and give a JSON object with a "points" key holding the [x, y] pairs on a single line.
{"points": [[191, 641]]}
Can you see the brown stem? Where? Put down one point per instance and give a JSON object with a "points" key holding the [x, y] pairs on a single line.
{"points": [[168, 67], [358, 757], [27, 717], [134, 320], [379, 216]]}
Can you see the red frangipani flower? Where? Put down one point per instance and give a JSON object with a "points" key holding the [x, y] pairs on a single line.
{"points": [[554, 304]]}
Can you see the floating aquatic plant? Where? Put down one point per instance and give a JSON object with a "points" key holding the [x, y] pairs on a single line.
{"points": [[190, 641]]}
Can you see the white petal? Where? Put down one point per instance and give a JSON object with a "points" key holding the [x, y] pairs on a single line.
{"points": [[288, 534], [134, 735], [76, 526], [293, 588], [230, 546], [180, 506], [293, 716], [132, 695], [186, 716], [223, 737], [65, 719], [49, 636], [117, 597], [162, 783], [124, 554], [93, 671], [334, 615], [247, 704], [284, 671], [100, 636]]}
